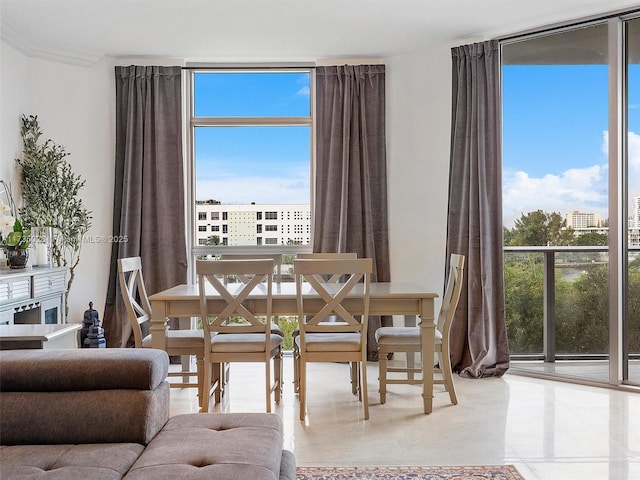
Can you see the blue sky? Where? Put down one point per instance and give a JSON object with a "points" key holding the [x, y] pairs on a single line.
{"points": [[555, 124], [240, 165]]}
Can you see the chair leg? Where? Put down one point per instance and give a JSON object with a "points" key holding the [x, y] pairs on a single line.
{"points": [[206, 372], [447, 375], [201, 379], [382, 375], [267, 379], [354, 378], [303, 388], [278, 372], [363, 387], [296, 369]]}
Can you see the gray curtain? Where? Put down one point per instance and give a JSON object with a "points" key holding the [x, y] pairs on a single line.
{"points": [[474, 224], [148, 210], [351, 172]]}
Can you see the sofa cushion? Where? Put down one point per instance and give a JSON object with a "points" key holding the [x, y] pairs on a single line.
{"points": [[68, 462], [82, 369], [212, 446]]}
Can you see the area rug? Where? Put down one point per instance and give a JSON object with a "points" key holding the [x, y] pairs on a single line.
{"points": [[490, 472]]}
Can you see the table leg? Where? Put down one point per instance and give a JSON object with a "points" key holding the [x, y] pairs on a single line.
{"points": [[159, 326], [410, 321], [428, 342]]}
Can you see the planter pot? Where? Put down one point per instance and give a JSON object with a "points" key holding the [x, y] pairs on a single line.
{"points": [[17, 258]]}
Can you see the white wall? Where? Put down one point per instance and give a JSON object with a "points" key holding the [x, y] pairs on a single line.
{"points": [[13, 98], [75, 108], [418, 138]]}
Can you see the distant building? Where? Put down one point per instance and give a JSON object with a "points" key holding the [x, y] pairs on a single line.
{"points": [[634, 215], [578, 220], [252, 224]]}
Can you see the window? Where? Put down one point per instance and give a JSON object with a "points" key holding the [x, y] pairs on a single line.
{"points": [[215, 215], [215, 228], [202, 228], [271, 228], [570, 126], [202, 215], [251, 136]]}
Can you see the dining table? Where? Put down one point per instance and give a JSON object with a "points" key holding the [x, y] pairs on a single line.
{"points": [[410, 300]]}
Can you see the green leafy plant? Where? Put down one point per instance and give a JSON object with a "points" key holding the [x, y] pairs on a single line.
{"points": [[50, 192], [13, 236]]}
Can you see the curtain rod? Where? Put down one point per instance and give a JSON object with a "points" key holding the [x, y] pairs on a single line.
{"points": [[584, 22], [250, 67]]}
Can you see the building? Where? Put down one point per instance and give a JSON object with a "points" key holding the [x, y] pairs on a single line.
{"points": [[224, 224], [634, 214], [578, 220]]}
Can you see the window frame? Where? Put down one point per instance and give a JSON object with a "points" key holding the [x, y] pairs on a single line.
{"points": [[192, 122]]}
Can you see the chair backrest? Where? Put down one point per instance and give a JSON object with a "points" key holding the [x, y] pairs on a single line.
{"points": [[134, 295], [348, 301], [276, 257], [451, 294], [335, 278], [258, 275]]}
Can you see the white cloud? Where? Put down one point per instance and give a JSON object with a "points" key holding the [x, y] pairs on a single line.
{"points": [[304, 91], [244, 190], [583, 189]]}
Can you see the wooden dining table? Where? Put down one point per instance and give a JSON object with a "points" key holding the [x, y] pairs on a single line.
{"points": [[386, 298]]}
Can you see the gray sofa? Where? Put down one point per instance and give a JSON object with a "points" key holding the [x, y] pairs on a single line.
{"points": [[103, 414]]}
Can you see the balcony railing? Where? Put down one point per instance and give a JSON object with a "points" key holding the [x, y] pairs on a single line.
{"points": [[557, 303]]}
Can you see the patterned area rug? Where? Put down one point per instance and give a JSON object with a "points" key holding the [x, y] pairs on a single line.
{"points": [[491, 472]]}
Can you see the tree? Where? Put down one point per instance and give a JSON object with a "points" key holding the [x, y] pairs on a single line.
{"points": [[539, 228], [592, 238], [51, 195], [213, 240]]}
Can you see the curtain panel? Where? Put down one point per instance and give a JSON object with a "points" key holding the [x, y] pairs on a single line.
{"points": [[474, 223], [351, 172], [148, 208]]}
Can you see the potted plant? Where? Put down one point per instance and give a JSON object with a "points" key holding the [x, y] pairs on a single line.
{"points": [[14, 238], [50, 191]]}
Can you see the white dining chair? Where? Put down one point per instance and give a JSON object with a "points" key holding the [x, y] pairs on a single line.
{"points": [[179, 342], [236, 333], [407, 340], [330, 279], [343, 341]]}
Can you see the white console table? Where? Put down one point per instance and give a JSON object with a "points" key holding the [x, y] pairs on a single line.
{"points": [[32, 295]]}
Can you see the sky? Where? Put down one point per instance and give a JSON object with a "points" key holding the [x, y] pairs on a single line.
{"points": [[555, 139], [271, 164]]}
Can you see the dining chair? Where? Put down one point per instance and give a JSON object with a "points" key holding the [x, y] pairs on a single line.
{"points": [[276, 257], [343, 341], [179, 342], [277, 263], [407, 340], [330, 279], [236, 333]]}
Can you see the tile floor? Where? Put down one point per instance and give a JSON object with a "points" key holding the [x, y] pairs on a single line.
{"points": [[548, 430]]}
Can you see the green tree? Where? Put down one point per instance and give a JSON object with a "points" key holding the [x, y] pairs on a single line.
{"points": [[592, 238], [539, 228], [51, 195], [213, 240]]}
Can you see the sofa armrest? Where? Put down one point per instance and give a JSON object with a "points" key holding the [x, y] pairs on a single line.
{"points": [[83, 396]]}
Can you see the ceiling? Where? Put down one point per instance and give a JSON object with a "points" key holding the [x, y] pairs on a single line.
{"points": [[84, 31]]}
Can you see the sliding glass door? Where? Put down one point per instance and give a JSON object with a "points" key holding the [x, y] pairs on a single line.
{"points": [[631, 358], [572, 285]]}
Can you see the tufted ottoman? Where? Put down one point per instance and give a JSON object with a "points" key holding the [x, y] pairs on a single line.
{"points": [[214, 446]]}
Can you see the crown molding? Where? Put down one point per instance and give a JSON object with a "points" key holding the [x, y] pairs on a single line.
{"points": [[16, 38]]}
